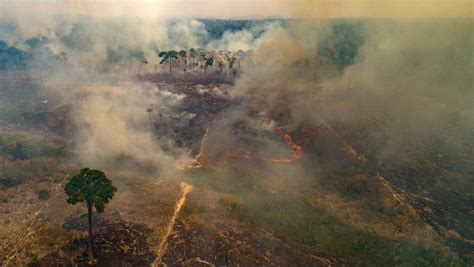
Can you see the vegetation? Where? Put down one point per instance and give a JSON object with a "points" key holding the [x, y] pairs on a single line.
{"points": [[25, 156], [439, 174], [216, 27], [25, 146], [38, 55], [182, 56], [168, 57], [314, 225], [192, 55], [11, 57], [93, 187], [43, 194], [225, 182], [342, 45], [11, 177]]}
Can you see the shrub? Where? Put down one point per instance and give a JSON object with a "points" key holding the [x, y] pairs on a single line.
{"points": [[12, 177], [24, 147], [43, 194]]}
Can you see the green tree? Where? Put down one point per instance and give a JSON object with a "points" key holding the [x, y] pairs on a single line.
{"points": [[202, 59], [192, 54], [168, 57], [182, 54], [342, 45], [93, 187], [209, 62]]}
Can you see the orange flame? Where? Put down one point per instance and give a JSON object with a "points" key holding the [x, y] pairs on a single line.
{"points": [[245, 155], [199, 160], [298, 152]]}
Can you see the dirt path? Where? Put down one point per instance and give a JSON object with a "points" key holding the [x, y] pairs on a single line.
{"points": [[185, 189]]}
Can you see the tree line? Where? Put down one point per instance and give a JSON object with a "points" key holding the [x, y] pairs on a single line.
{"points": [[222, 61]]}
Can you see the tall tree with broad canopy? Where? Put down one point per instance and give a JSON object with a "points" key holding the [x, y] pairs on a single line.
{"points": [[93, 187], [182, 54], [192, 54], [168, 57]]}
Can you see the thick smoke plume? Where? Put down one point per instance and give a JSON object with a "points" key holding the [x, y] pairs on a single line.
{"points": [[114, 129], [100, 54], [415, 76]]}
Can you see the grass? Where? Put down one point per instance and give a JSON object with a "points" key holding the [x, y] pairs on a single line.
{"points": [[71, 247], [43, 194], [235, 183], [24, 146], [25, 156], [315, 226]]}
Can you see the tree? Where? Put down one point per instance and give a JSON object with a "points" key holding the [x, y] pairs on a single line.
{"points": [[341, 47], [209, 62], [168, 57], [143, 65], [192, 54], [93, 187], [149, 109], [230, 57], [240, 56], [202, 59], [182, 55]]}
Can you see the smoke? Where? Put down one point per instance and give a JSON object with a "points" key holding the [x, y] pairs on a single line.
{"points": [[414, 75], [244, 39], [398, 90], [113, 125], [101, 50], [417, 79], [386, 9], [109, 111]]}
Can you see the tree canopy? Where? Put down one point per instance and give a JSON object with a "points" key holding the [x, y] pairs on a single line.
{"points": [[167, 56], [91, 186], [342, 45]]}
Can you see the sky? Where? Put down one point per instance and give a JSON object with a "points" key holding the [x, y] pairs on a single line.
{"points": [[245, 8]]}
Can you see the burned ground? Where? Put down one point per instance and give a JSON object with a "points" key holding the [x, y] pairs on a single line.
{"points": [[247, 207]]}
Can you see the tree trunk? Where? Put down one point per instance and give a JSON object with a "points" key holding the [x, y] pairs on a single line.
{"points": [[170, 66], [152, 126], [91, 246]]}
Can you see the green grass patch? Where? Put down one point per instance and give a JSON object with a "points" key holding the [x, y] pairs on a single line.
{"points": [[16, 172], [234, 183], [26, 146], [316, 226], [43, 194], [12, 177], [71, 247]]}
